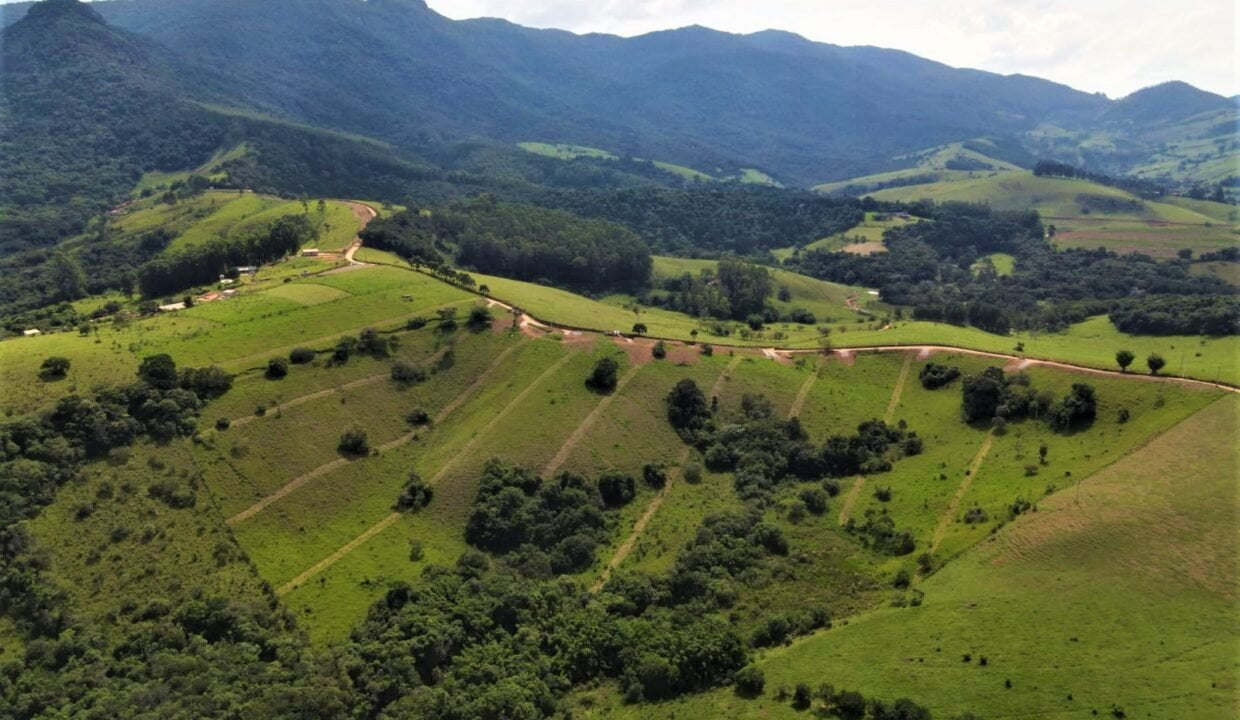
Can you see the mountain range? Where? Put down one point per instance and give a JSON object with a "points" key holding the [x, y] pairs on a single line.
{"points": [[396, 72]]}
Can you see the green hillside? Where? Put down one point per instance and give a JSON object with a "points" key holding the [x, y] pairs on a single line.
{"points": [[1086, 214], [1054, 603], [954, 161]]}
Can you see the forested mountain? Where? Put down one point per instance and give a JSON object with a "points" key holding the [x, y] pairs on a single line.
{"points": [[95, 95], [396, 70]]}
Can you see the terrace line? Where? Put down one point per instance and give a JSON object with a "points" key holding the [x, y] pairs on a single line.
{"points": [[383, 524]]}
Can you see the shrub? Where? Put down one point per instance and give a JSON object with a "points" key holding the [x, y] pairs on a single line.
{"points": [[1122, 416], [55, 367], [222, 423], [301, 356], [277, 368], [616, 488], [407, 373], [172, 494], [802, 696], [416, 323], [901, 579], [479, 316], [750, 681], [416, 495], [354, 442], [883, 494], [659, 351], [831, 486], [604, 376], [654, 476], [418, 417], [416, 551], [708, 351], [693, 473], [934, 376], [815, 500]]}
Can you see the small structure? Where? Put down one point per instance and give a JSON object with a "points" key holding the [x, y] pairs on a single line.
{"points": [[310, 252], [32, 332], [226, 281], [247, 269], [172, 307], [230, 293]]}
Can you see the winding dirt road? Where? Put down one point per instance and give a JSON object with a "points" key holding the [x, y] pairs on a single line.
{"points": [[365, 214]]}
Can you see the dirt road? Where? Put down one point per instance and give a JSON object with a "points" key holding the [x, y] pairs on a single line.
{"points": [[365, 214]]}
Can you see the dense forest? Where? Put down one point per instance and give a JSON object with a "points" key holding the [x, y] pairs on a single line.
{"points": [[706, 222], [519, 241], [933, 268]]}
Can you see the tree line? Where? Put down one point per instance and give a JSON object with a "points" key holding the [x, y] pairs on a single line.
{"points": [[519, 241]]}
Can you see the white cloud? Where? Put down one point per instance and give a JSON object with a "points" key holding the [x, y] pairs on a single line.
{"points": [[1115, 46]]}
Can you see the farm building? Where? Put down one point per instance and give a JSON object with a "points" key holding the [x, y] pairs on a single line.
{"points": [[310, 252], [247, 269], [32, 332]]}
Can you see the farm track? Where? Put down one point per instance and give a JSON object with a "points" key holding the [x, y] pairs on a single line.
{"points": [[898, 390], [365, 214], [387, 521], [573, 439], [656, 502], [353, 385], [803, 393], [272, 352], [940, 531], [923, 350], [851, 499], [297, 482]]}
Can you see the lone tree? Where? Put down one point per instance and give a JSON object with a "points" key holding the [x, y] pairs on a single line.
{"points": [[603, 377], [1155, 363], [1124, 358], [54, 367], [639, 328], [354, 442], [277, 368]]}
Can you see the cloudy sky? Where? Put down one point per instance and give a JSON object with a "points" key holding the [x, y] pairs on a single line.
{"points": [[1113, 46]]}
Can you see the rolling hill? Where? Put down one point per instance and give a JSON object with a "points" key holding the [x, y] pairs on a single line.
{"points": [[1088, 214], [261, 507]]}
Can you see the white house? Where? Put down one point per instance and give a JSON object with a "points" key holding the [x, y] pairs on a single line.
{"points": [[32, 332]]}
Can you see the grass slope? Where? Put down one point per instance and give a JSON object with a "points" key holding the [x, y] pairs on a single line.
{"points": [[1087, 214], [1120, 595]]}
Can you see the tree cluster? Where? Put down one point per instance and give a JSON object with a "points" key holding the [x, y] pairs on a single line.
{"points": [[995, 395], [203, 264], [1215, 315], [521, 242], [542, 527]]}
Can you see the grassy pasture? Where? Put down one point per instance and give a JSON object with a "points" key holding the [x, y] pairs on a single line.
{"points": [[563, 151], [132, 548], [1120, 596], [1003, 263], [157, 180], [870, 232], [238, 334], [1075, 208], [522, 427]]}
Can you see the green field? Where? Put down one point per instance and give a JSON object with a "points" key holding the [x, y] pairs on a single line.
{"points": [[929, 164], [268, 318], [1121, 594], [1089, 215], [562, 151], [279, 508], [157, 180], [864, 238]]}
